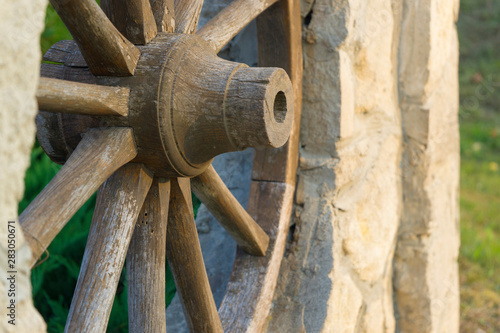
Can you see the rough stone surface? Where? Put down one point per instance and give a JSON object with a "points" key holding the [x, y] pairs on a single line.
{"points": [[426, 272], [349, 165], [21, 23], [374, 70]]}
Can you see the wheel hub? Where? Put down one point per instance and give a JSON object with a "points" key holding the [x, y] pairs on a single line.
{"points": [[187, 106]]}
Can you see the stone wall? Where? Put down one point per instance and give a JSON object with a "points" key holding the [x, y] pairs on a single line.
{"points": [[375, 229], [348, 214], [21, 22], [376, 222]]}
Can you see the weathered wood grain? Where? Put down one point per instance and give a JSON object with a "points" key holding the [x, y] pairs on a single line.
{"points": [[119, 201], [188, 106], [146, 262], [104, 48], [186, 262], [280, 45], [187, 14], [212, 191], [60, 133], [164, 13], [79, 98], [60, 51], [133, 18], [209, 106], [224, 26], [65, 52], [99, 154], [258, 108], [47, 123], [251, 286]]}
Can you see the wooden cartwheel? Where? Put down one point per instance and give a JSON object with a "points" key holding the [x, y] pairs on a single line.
{"points": [[136, 107]]}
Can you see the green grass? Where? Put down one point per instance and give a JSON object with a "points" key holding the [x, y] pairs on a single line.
{"points": [[479, 33], [54, 30]]}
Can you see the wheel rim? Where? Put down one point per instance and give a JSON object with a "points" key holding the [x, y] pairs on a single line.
{"points": [[273, 182], [253, 278]]}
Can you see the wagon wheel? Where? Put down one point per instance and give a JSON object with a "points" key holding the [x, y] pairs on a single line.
{"points": [[137, 107]]}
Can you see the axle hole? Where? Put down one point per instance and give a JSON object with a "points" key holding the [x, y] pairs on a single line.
{"points": [[280, 107]]}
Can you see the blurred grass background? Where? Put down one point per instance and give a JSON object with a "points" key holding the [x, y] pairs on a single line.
{"points": [[479, 34]]}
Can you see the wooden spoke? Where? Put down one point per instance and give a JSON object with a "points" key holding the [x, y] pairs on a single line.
{"points": [[133, 209], [163, 11], [187, 14], [186, 262], [146, 263], [224, 26], [212, 191], [99, 154], [133, 18], [119, 202], [79, 98], [104, 48]]}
